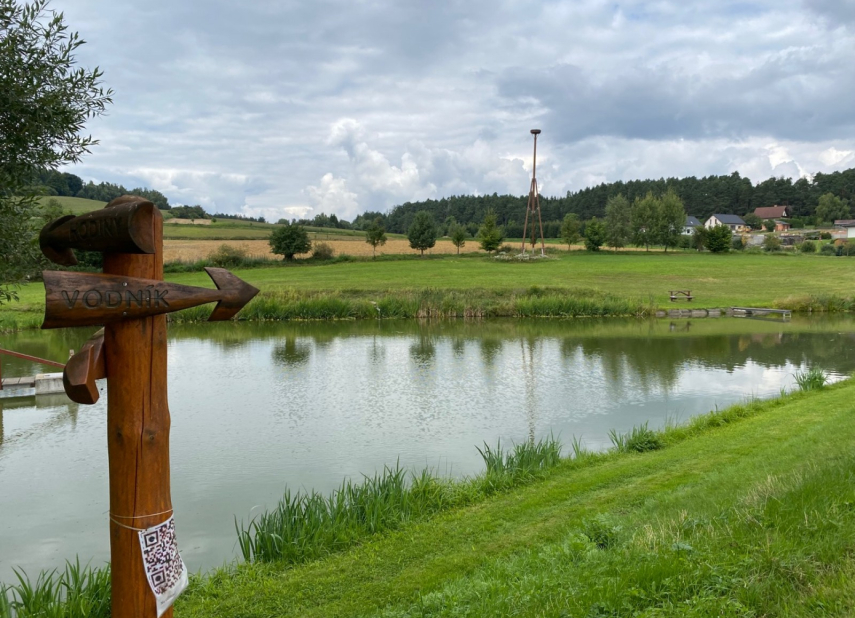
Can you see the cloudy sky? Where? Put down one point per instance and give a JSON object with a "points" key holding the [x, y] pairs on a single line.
{"points": [[287, 108]]}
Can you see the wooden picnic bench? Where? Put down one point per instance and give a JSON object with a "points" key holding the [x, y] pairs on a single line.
{"points": [[680, 294]]}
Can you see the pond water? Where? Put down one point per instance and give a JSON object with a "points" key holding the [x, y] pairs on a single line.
{"points": [[258, 407]]}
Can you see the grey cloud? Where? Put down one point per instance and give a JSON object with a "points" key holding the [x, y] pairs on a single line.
{"points": [[229, 103], [804, 95], [835, 11]]}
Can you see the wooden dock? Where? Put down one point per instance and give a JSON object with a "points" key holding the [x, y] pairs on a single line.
{"points": [[40, 384], [756, 312]]}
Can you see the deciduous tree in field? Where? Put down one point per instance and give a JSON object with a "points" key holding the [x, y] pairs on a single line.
{"points": [[595, 235], [289, 240], [699, 237], [458, 236], [718, 239], [570, 229], [375, 235], [644, 213], [831, 207], [45, 101], [422, 232], [618, 221], [670, 219], [490, 235]]}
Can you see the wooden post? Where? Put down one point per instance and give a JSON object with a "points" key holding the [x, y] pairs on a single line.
{"points": [[130, 299], [137, 434]]}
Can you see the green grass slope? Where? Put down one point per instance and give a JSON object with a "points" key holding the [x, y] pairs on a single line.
{"points": [[749, 512], [74, 205]]}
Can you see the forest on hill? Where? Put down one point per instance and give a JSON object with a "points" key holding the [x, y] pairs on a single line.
{"points": [[702, 197], [731, 194]]}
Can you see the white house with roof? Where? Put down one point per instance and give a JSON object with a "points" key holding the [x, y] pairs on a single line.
{"points": [[734, 222], [690, 225], [847, 225]]}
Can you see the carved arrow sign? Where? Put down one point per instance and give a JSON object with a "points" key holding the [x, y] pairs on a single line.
{"points": [[121, 227], [90, 299]]}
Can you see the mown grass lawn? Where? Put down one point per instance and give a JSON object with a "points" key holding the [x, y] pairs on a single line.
{"points": [[751, 516], [714, 280]]}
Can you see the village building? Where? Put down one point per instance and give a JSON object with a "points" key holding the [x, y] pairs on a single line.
{"points": [[690, 225], [847, 225], [734, 222], [782, 226], [772, 212]]}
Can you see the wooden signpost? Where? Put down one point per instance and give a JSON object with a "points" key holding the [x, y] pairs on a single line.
{"points": [[130, 299]]}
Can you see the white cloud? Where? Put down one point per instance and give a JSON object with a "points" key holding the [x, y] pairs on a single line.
{"points": [[340, 106], [332, 196]]}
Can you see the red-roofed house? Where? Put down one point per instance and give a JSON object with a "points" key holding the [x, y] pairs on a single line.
{"points": [[772, 212]]}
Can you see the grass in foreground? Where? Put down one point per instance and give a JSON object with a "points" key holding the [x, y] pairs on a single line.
{"points": [[309, 525], [749, 511]]}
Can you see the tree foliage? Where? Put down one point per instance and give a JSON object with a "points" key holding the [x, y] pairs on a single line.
{"points": [[458, 236], [595, 234], [718, 239], [570, 229], [375, 235], [45, 101], [490, 235], [831, 208], [422, 232], [644, 212], [618, 222], [289, 240], [670, 219]]}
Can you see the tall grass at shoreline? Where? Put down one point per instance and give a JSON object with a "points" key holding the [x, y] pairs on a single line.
{"points": [[304, 526], [293, 304], [75, 592]]}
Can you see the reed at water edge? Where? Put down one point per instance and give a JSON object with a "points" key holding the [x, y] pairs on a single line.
{"points": [[304, 526], [291, 304]]}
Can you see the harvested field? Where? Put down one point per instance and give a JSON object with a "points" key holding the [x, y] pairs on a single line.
{"points": [[192, 250]]}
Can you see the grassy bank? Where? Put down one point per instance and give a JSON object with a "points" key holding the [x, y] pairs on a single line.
{"points": [[615, 284], [747, 511]]}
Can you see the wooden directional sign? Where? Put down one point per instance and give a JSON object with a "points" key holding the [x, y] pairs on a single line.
{"points": [[125, 226], [88, 299], [130, 299]]}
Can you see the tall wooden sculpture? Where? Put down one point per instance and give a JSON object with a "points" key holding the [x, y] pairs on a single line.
{"points": [[130, 299], [533, 204]]}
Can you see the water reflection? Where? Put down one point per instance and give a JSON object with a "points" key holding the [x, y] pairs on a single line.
{"points": [[256, 407]]}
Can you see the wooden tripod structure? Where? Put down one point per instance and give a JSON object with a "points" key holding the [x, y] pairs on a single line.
{"points": [[533, 204]]}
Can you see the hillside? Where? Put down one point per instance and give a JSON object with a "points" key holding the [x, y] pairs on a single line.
{"points": [[74, 205]]}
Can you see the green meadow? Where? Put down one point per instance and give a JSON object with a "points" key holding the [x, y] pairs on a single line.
{"points": [[575, 283]]}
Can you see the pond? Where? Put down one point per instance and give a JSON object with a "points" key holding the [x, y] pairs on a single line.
{"points": [[258, 407]]}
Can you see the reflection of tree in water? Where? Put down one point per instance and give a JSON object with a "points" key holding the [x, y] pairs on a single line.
{"points": [[491, 347], [291, 352], [656, 361], [458, 346], [423, 349]]}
